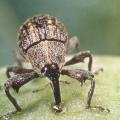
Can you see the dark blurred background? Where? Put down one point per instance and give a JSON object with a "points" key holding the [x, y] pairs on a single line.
{"points": [[95, 22]]}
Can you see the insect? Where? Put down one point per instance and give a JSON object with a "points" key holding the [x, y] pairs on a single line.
{"points": [[43, 41]]}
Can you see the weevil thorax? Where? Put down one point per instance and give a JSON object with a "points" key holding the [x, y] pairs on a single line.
{"points": [[43, 41]]}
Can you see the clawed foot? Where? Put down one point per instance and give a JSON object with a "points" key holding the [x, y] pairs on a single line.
{"points": [[101, 109], [57, 108]]}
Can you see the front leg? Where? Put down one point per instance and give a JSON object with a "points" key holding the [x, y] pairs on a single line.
{"points": [[82, 76], [17, 70], [80, 58], [16, 82]]}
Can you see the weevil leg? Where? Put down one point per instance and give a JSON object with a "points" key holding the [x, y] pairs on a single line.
{"points": [[80, 58], [82, 76], [16, 82], [17, 70], [90, 93]]}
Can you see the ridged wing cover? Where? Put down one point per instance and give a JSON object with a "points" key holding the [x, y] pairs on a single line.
{"points": [[40, 28], [43, 41]]}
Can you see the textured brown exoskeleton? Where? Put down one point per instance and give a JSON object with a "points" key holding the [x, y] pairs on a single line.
{"points": [[42, 40]]}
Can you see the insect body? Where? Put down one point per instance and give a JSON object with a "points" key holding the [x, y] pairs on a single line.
{"points": [[42, 40]]}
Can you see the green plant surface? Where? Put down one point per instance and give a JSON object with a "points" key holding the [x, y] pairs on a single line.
{"points": [[38, 106]]}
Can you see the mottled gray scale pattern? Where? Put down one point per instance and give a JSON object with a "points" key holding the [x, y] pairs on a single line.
{"points": [[37, 56], [56, 53], [40, 28], [46, 52]]}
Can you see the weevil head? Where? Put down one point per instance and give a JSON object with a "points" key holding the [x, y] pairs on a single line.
{"points": [[51, 71]]}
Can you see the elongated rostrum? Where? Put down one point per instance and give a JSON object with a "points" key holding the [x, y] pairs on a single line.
{"points": [[43, 43]]}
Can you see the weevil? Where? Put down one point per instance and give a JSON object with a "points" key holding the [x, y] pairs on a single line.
{"points": [[43, 40]]}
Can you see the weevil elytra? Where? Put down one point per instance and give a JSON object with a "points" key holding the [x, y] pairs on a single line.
{"points": [[43, 42]]}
